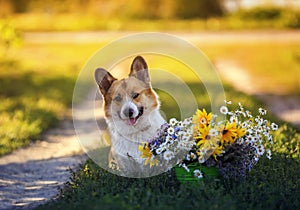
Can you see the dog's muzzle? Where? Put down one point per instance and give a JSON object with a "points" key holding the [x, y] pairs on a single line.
{"points": [[130, 113]]}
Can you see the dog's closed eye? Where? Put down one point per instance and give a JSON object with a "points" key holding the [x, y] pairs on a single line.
{"points": [[118, 98], [135, 95]]}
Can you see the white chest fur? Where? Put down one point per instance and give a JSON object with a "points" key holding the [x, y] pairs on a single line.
{"points": [[125, 139]]}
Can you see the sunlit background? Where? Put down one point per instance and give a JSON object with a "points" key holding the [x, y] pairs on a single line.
{"points": [[255, 45], [44, 44]]}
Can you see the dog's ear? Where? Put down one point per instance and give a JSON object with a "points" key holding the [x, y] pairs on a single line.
{"points": [[104, 80], [139, 69]]}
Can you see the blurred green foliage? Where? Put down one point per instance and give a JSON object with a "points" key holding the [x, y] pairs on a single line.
{"points": [[198, 9], [30, 102], [9, 36], [285, 16], [130, 8], [261, 13], [36, 89]]}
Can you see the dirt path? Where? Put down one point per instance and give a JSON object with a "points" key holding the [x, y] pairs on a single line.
{"points": [[286, 107], [32, 175]]}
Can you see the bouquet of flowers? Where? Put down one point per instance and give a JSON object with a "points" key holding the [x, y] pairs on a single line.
{"points": [[232, 145]]}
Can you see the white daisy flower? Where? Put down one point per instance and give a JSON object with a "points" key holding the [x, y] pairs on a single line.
{"points": [[230, 113], [223, 110], [185, 167], [169, 138], [198, 174], [249, 138], [247, 142], [173, 121], [227, 102], [259, 129], [181, 145], [266, 134], [241, 106], [248, 113], [241, 113], [255, 138], [168, 155], [163, 145], [187, 135], [240, 141], [189, 131], [249, 131], [185, 138], [268, 154], [188, 120], [190, 144], [274, 126], [245, 124], [260, 150], [213, 132], [201, 159], [270, 138], [258, 120], [171, 131], [214, 116], [262, 111], [202, 151], [181, 133], [233, 119], [193, 156], [158, 150], [188, 157]]}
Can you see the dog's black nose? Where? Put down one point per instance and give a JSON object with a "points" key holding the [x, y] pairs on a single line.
{"points": [[129, 112]]}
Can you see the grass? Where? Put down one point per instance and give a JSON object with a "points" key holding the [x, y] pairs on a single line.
{"points": [[36, 90], [272, 184]]}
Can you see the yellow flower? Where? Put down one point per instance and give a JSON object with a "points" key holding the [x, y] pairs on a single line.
{"points": [[202, 134], [218, 152], [147, 155], [145, 150], [201, 118], [240, 131], [205, 138], [151, 161], [229, 134]]}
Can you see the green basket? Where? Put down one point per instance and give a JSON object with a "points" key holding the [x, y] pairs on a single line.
{"points": [[183, 176]]}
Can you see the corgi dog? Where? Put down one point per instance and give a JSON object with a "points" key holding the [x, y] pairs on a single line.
{"points": [[132, 114]]}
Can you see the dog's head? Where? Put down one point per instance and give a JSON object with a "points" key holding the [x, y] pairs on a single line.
{"points": [[128, 101]]}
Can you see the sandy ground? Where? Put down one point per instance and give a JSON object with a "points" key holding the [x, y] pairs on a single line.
{"points": [[32, 175]]}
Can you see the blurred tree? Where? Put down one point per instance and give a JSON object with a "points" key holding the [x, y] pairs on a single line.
{"points": [[150, 9], [199, 8], [19, 6]]}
